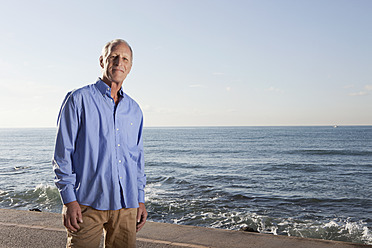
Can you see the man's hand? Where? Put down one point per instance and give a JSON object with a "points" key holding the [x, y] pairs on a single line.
{"points": [[72, 216], [141, 216]]}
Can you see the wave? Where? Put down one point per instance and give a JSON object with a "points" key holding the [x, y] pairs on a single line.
{"points": [[332, 229], [206, 205], [164, 164], [43, 197], [330, 152]]}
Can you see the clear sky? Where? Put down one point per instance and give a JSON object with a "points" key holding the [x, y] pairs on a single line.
{"points": [[196, 62]]}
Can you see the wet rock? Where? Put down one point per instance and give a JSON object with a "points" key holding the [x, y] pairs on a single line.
{"points": [[248, 229], [34, 209]]}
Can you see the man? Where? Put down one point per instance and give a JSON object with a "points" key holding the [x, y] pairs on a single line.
{"points": [[98, 159]]}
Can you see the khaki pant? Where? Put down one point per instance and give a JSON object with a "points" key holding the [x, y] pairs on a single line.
{"points": [[119, 228]]}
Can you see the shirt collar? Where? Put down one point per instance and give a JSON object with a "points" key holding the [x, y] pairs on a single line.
{"points": [[105, 89]]}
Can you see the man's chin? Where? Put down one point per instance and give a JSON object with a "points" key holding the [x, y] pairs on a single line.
{"points": [[113, 80], [118, 80], [118, 76]]}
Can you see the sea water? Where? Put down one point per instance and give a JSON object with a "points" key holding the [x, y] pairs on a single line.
{"points": [[297, 181]]}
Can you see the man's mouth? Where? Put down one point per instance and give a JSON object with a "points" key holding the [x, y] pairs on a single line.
{"points": [[118, 69]]}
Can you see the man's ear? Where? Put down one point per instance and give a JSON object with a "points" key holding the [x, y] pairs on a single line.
{"points": [[101, 61]]}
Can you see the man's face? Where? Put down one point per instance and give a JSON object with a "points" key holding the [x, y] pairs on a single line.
{"points": [[116, 66]]}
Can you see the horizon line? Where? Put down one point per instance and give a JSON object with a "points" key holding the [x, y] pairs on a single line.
{"points": [[205, 126]]}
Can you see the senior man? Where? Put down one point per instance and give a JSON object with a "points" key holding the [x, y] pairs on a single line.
{"points": [[98, 158]]}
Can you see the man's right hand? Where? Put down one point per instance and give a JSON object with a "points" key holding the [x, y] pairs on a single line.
{"points": [[72, 216]]}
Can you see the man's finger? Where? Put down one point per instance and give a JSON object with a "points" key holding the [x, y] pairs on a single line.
{"points": [[141, 216], [140, 225], [74, 223], [68, 225], [73, 216], [141, 212], [79, 217]]}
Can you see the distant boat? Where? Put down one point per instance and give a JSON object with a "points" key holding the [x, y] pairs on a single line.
{"points": [[335, 126]]}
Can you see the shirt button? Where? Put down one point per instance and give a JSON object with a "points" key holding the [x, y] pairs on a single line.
{"points": [[118, 144], [119, 161], [117, 129], [121, 177]]}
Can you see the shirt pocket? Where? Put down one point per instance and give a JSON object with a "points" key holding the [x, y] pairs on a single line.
{"points": [[132, 138]]}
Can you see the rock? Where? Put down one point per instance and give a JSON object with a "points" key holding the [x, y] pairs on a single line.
{"points": [[34, 209], [248, 229]]}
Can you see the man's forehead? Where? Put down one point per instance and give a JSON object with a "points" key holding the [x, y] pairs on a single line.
{"points": [[119, 48]]}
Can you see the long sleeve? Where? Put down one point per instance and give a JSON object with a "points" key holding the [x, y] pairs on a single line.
{"points": [[67, 130], [141, 177]]}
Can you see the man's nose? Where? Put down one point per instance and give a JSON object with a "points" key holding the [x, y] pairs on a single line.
{"points": [[118, 61]]}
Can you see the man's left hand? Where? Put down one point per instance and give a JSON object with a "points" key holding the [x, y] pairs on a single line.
{"points": [[141, 216]]}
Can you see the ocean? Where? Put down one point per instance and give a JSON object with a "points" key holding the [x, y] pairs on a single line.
{"points": [[311, 181]]}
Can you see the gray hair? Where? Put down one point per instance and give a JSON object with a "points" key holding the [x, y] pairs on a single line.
{"points": [[110, 44]]}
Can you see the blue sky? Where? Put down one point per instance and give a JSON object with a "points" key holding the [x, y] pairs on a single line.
{"points": [[196, 63]]}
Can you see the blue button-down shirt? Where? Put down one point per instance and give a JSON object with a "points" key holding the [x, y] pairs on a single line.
{"points": [[98, 158]]}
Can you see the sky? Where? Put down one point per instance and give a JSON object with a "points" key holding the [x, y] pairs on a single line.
{"points": [[196, 62]]}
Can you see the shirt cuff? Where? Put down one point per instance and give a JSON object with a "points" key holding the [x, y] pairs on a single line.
{"points": [[141, 196], [68, 195]]}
